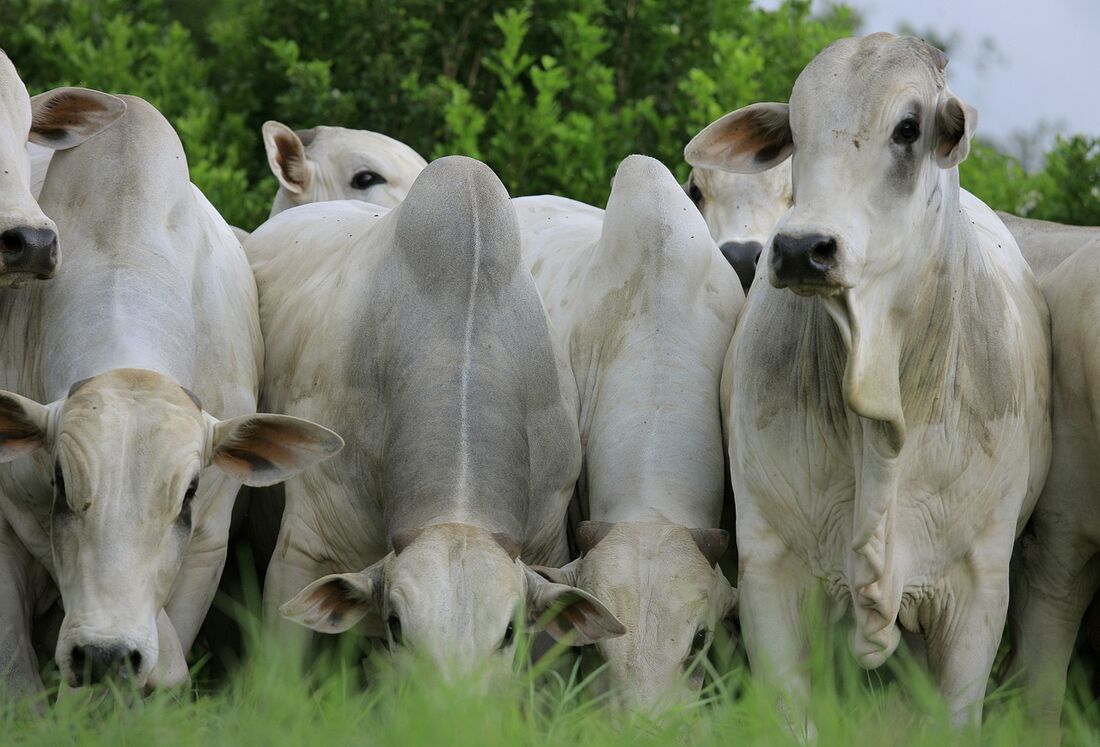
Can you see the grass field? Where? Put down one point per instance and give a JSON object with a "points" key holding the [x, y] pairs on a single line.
{"points": [[269, 700]]}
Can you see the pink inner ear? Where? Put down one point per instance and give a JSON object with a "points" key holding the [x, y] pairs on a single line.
{"points": [[290, 158], [64, 111]]}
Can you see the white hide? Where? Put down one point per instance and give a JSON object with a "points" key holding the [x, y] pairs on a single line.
{"points": [[1055, 574], [888, 419], [419, 334], [335, 163], [645, 307], [102, 444]]}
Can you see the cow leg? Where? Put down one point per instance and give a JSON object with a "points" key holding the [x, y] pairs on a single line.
{"points": [[775, 625], [1054, 579], [964, 631], [18, 663]]}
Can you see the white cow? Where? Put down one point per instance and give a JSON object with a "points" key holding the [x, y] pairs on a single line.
{"points": [[116, 495], [888, 392], [741, 210], [419, 333], [1056, 571], [645, 306], [335, 163], [55, 120], [1046, 244]]}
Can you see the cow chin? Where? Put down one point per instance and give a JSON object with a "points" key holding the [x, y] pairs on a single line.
{"points": [[90, 652]]}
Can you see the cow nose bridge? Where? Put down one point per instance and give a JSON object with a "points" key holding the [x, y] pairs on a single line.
{"points": [[31, 250], [95, 662], [743, 256], [806, 259]]}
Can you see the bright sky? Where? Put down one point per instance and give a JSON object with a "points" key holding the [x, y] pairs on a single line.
{"points": [[1046, 65]]}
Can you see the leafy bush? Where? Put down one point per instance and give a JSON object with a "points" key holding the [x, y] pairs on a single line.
{"points": [[552, 94]]}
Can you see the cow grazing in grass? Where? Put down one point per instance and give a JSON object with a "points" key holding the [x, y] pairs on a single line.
{"points": [[419, 334], [128, 419], [645, 306]]}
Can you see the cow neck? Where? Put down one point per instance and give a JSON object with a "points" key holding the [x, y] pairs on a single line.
{"points": [[883, 323]]}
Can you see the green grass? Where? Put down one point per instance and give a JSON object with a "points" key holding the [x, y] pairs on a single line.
{"points": [[269, 699]]}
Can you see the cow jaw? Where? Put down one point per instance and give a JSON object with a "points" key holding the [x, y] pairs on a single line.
{"points": [[654, 578]]}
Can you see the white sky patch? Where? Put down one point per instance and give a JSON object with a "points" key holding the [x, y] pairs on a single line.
{"points": [[1047, 62]]}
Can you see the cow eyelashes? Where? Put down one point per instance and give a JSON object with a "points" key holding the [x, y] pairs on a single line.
{"points": [[695, 194], [394, 624], [366, 180], [188, 497], [698, 643], [60, 500], [509, 636], [907, 131]]}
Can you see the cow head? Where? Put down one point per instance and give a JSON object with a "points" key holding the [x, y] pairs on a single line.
{"points": [[334, 163], [452, 593], [873, 130], [57, 119], [741, 210], [662, 581], [128, 452]]}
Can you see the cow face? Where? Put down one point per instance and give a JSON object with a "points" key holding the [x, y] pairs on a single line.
{"points": [[661, 580], [741, 210], [453, 593], [872, 127], [334, 163], [57, 119], [127, 451]]}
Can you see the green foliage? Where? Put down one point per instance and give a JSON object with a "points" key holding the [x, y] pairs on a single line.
{"points": [[552, 94]]}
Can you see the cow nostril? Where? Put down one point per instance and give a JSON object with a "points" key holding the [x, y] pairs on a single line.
{"points": [[77, 659], [134, 660], [823, 253]]}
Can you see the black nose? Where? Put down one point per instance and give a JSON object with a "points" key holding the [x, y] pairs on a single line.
{"points": [[742, 256], [32, 250], [94, 663], [803, 260]]}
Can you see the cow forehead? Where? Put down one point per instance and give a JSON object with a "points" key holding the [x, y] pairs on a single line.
{"points": [[854, 80], [658, 556], [117, 394], [342, 145]]}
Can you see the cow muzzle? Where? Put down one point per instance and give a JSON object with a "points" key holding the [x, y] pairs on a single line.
{"points": [[806, 264], [93, 663], [742, 256], [30, 252]]}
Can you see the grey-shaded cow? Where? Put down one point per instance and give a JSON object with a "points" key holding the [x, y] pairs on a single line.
{"points": [[419, 333], [888, 391], [116, 495], [645, 306]]}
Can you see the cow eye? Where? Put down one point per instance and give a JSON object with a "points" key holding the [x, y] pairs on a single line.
{"points": [[509, 636], [907, 131], [695, 194], [60, 500], [394, 625], [188, 498], [698, 643], [366, 180]]}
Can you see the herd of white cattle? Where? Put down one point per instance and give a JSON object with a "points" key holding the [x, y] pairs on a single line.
{"points": [[547, 411]]}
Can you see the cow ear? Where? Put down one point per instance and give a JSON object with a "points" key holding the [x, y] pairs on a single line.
{"points": [[335, 603], [567, 613], [261, 450], [567, 574], [750, 140], [711, 542], [22, 426], [955, 125], [66, 117], [286, 155]]}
